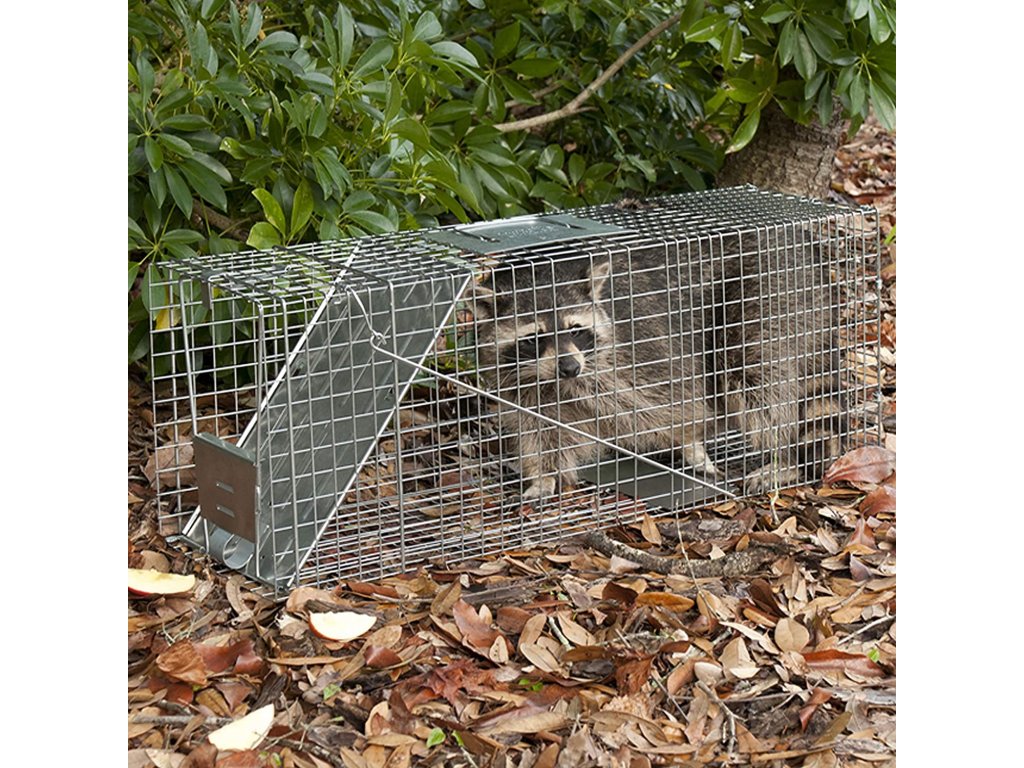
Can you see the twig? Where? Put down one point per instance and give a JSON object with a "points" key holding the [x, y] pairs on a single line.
{"points": [[202, 213], [178, 719], [732, 565], [573, 106], [557, 631], [315, 749], [729, 716], [865, 628]]}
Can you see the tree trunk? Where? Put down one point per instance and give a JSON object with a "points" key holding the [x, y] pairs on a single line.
{"points": [[786, 156]]}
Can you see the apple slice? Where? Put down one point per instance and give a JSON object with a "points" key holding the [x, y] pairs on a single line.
{"points": [[341, 625], [246, 732], [146, 581]]}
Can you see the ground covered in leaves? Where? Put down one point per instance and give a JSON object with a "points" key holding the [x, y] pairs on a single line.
{"points": [[753, 633]]}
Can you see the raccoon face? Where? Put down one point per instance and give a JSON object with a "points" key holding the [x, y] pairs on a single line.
{"points": [[542, 325]]}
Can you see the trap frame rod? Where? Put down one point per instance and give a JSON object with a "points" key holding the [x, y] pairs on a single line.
{"points": [[378, 339]]}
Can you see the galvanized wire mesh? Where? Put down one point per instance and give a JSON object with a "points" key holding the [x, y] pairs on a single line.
{"points": [[424, 396]]}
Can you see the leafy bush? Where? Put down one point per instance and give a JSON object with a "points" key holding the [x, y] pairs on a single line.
{"points": [[274, 123]]}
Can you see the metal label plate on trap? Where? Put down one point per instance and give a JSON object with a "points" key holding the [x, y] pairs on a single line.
{"points": [[520, 232]]}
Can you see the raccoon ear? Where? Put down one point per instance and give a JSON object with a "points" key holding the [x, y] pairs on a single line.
{"points": [[598, 276], [481, 299]]}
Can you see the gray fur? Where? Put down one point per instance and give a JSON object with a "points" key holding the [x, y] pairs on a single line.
{"points": [[685, 343]]}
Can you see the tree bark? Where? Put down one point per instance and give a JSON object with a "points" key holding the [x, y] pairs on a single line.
{"points": [[786, 156]]}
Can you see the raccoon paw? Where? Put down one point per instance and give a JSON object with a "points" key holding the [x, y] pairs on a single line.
{"points": [[767, 479], [539, 488]]}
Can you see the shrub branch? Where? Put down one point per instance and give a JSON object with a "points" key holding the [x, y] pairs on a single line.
{"points": [[575, 105]]}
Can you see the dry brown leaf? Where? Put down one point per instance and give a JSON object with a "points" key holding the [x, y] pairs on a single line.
{"points": [[512, 618], [791, 635], [880, 500], [668, 600], [524, 720], [573, 632], [445, 598], [869, 464], [476, 632], [736, 660], [818, 697], [613, 591], [234, 693], [298, 598], [499, 650], [251, 758], [862, 540], [213, 701], [649, 530], [832, 659], [708, 672], [182, 662], [541, 657], [680, 677], [532, 629], [632, 675], [379, 658]]}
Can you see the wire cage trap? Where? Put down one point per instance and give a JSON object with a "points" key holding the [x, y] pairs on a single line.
{"points": [[352, 409]]}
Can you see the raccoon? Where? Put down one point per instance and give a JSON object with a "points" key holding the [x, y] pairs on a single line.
{"points": [[613, 348], [777, 367], [654, 350]]}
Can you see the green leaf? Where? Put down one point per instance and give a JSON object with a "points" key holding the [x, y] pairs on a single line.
{"points": [[536, 67], [185, 122], [732, 43], [787, 43], [146, 76], [263, 236], [858, 94], [413, 131], [272, 211], [447, 112], [358, 201], [281, 40], [776, 12], [745, 132], [427, 27], [375, 223], [154, 155], [214, 165], [175, 144], [179, 190], [878, 24], [375, 57], [822, 44], [804, 58], [253, 23], [206, 183], [884, 106], [302, 208], [345, 25], [706, 28], [436, 737], [452, 51], [133, 271], [505, 40], [858, 8]]}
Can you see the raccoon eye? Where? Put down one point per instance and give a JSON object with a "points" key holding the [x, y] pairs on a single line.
{"points": [[527, 348], [582, 337]]}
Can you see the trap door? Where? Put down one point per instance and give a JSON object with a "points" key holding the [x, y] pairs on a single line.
{"points": [[320, 420]]}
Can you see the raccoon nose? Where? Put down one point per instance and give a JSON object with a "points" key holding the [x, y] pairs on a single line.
{"points": [[568, 367]]}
